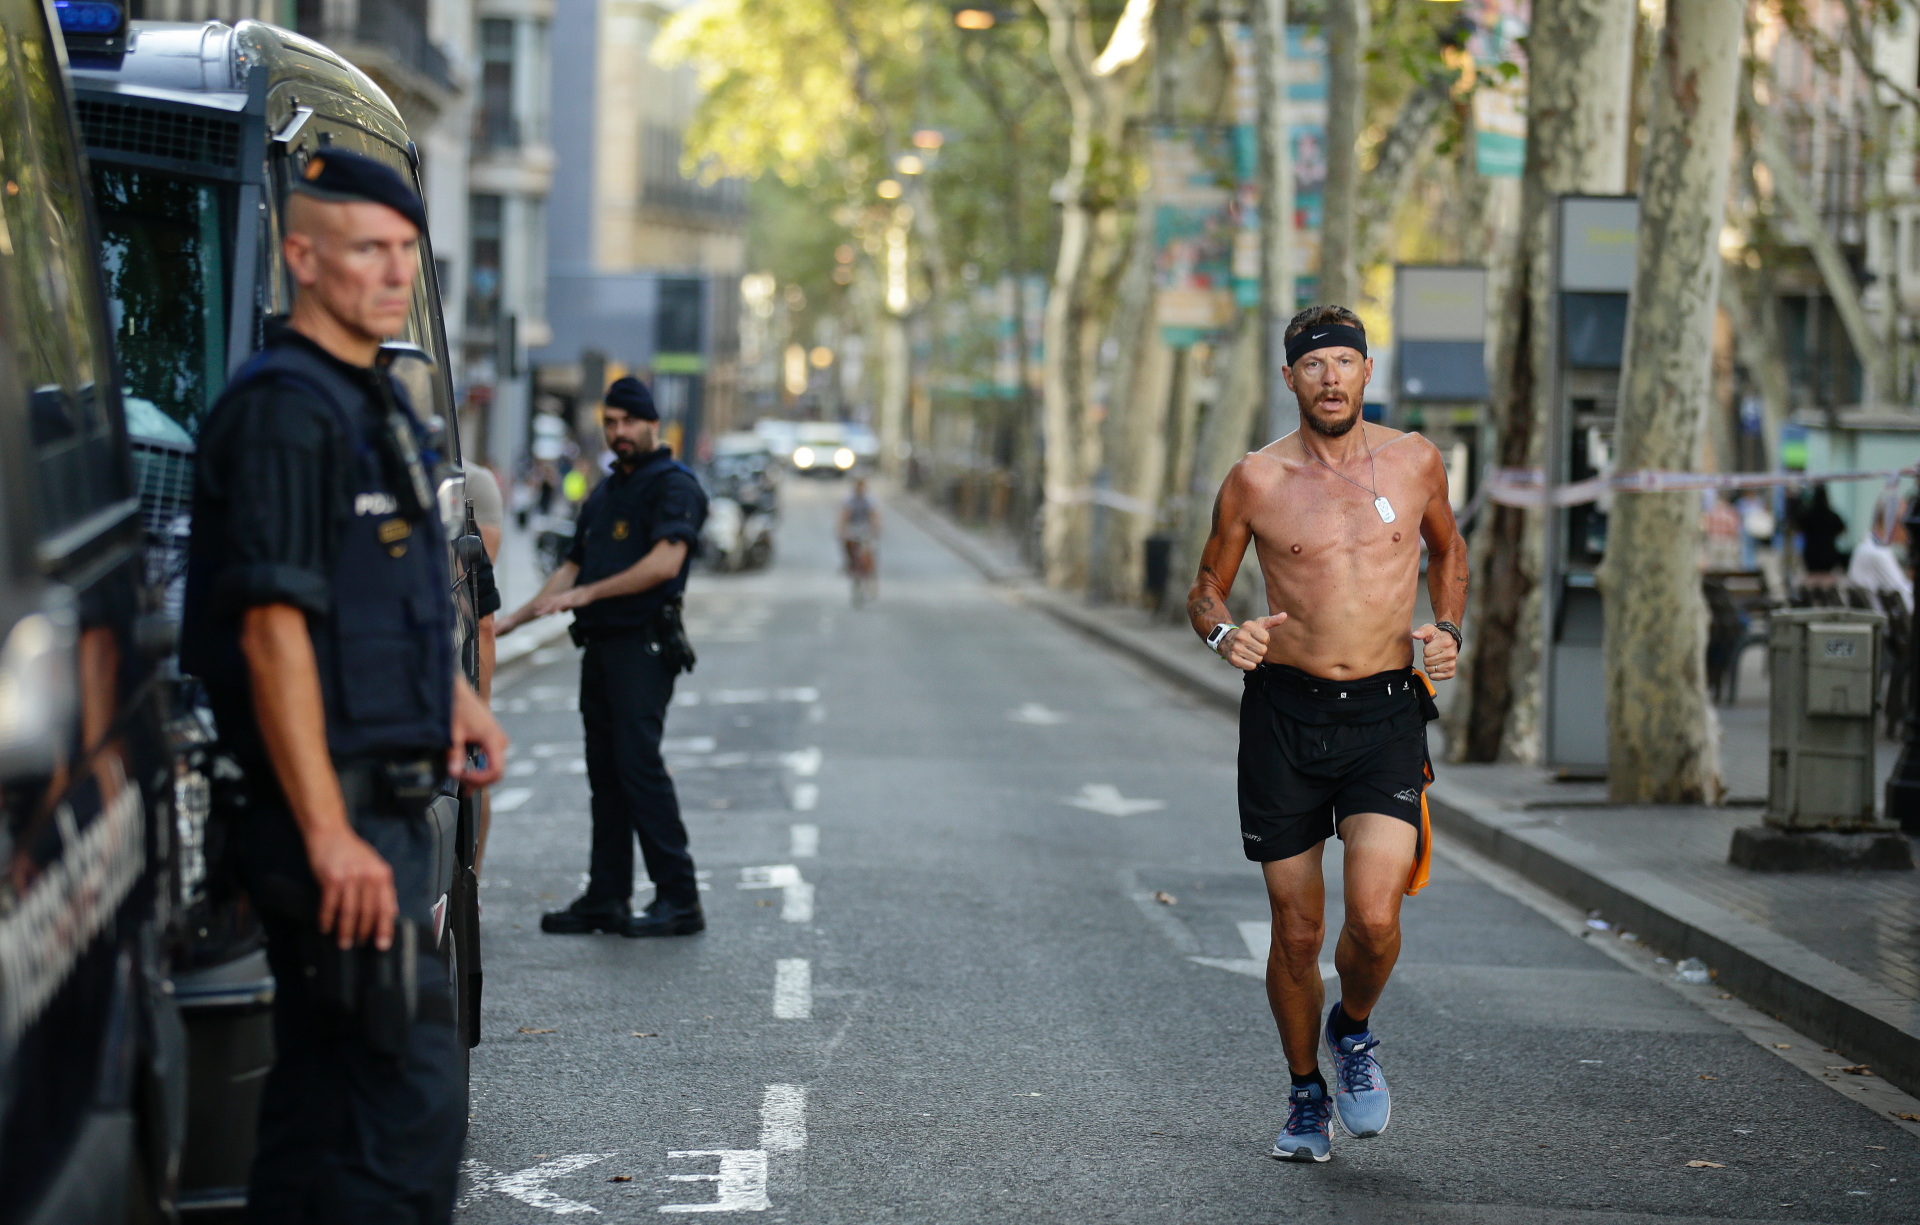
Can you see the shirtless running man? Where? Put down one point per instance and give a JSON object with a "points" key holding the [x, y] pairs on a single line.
{"points": [[1333, 719]]}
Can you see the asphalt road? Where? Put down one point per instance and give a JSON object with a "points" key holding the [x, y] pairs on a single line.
{"points": [[936, 984]]}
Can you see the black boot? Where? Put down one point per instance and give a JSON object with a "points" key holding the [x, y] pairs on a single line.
{"points": [[664, 918], [587, 914]]}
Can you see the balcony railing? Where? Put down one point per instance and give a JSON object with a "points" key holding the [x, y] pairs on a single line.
{"points": [[393, 26]]}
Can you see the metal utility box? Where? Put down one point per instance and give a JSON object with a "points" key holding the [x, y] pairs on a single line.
{"points": [[1825, 663]]}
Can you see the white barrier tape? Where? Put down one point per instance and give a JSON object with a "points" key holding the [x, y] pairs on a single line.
{"points": [[1104, 497], [1522, 486]]}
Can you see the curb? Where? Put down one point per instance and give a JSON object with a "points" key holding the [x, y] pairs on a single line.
{"points": [[1824, 1000]]}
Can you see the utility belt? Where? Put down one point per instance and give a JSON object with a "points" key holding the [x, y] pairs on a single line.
{"points": [[665, 636], [398, 785]]}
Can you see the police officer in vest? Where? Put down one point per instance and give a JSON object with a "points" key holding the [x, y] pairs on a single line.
{"points": [[319, 618], [632, 546]]}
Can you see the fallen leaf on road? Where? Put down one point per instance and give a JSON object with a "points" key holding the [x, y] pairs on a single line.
{"points": [[1783, 1046], [621, 1178], [1165, 898], [1705, 1077], [638, 1034], [1901, 1114], [1705, 1165], [525, 1030], [1852, 1069], [1726, 995]]}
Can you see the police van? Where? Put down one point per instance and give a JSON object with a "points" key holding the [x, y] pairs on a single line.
{"points": [[192, 133], [92, 1053]]}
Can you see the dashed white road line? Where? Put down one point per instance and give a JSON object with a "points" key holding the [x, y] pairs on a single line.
{"points": [[806, 841], [793, 989], [1037, 714], [805, 796], [783, 1119], [509, 798], [796, 894], [803, 762]]}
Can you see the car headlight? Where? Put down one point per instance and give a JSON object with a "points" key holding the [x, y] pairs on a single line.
{"points": [[843, 458], [803, 457]]}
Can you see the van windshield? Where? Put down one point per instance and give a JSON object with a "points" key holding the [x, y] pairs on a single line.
{"points": [[164, 257]]}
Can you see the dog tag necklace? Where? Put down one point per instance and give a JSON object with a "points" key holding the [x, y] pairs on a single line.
{"points": [[1380, 502]]}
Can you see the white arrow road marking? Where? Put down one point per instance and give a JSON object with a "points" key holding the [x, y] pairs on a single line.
{"points": [[792, 989], [806, 841], [509, 798], [1258, 937], [1036, 714], [742, 1180], [529, 1185], [783, 1118], [1106, 798], [796, 894]]}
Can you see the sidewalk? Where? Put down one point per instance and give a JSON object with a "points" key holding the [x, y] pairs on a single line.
{"points": [[1836, 955]]}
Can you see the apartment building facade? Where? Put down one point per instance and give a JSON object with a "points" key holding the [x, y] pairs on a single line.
{"points": [[645, 261]]}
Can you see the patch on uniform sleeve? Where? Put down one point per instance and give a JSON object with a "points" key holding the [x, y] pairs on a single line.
{"points": [[619, 529], [394, 529]]}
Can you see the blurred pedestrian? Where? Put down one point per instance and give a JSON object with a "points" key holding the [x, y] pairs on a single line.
{"points": [[1879, 562], [632, 548], [1820, 530]]}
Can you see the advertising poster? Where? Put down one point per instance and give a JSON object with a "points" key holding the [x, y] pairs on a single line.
{"points": [[1307, 139], [1497, 50], [1195, 232]]}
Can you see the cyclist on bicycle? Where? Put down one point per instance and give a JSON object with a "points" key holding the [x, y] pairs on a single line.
{"points": [[859, 530]]}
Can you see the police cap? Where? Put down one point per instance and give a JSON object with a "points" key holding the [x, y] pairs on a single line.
{"points": [[340, 177], [631, 397]]}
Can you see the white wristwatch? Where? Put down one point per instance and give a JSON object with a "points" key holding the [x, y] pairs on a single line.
{"points": [[1219, 635]]}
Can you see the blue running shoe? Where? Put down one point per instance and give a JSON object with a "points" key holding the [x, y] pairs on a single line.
{"points": [[1359, 1086], [1308, 1135]]}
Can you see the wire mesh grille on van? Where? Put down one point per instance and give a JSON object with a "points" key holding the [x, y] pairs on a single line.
{"points": [[129, 127], [164, 474]]}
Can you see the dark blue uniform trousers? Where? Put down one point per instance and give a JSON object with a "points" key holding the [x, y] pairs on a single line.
{"points": [[348, 1134], [625, 686]]}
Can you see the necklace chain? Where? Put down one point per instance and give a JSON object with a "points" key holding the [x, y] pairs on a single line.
{"points": [[1372, 475]]}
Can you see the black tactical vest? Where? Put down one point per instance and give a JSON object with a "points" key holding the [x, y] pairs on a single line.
{"points": [[386, 650]]}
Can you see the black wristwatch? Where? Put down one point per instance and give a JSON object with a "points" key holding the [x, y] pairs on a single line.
{"points": [[1459, 642]]}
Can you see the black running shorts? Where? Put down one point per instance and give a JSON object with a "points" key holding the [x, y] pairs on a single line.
{"points": [[1313, 751]]}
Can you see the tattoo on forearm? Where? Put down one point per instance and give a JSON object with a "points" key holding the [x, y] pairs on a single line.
{"points": [[1200, 607]]}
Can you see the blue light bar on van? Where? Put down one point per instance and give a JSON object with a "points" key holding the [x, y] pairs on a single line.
{"points": [[89, 17]]}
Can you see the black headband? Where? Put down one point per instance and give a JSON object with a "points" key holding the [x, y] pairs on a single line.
{"points": [[1325, 336]]}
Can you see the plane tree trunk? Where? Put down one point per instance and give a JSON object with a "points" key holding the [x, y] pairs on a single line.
{"points": [[1660, 743]]}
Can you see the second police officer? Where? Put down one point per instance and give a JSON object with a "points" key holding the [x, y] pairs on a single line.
{"points": [[319, 617], [632, 547]]}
